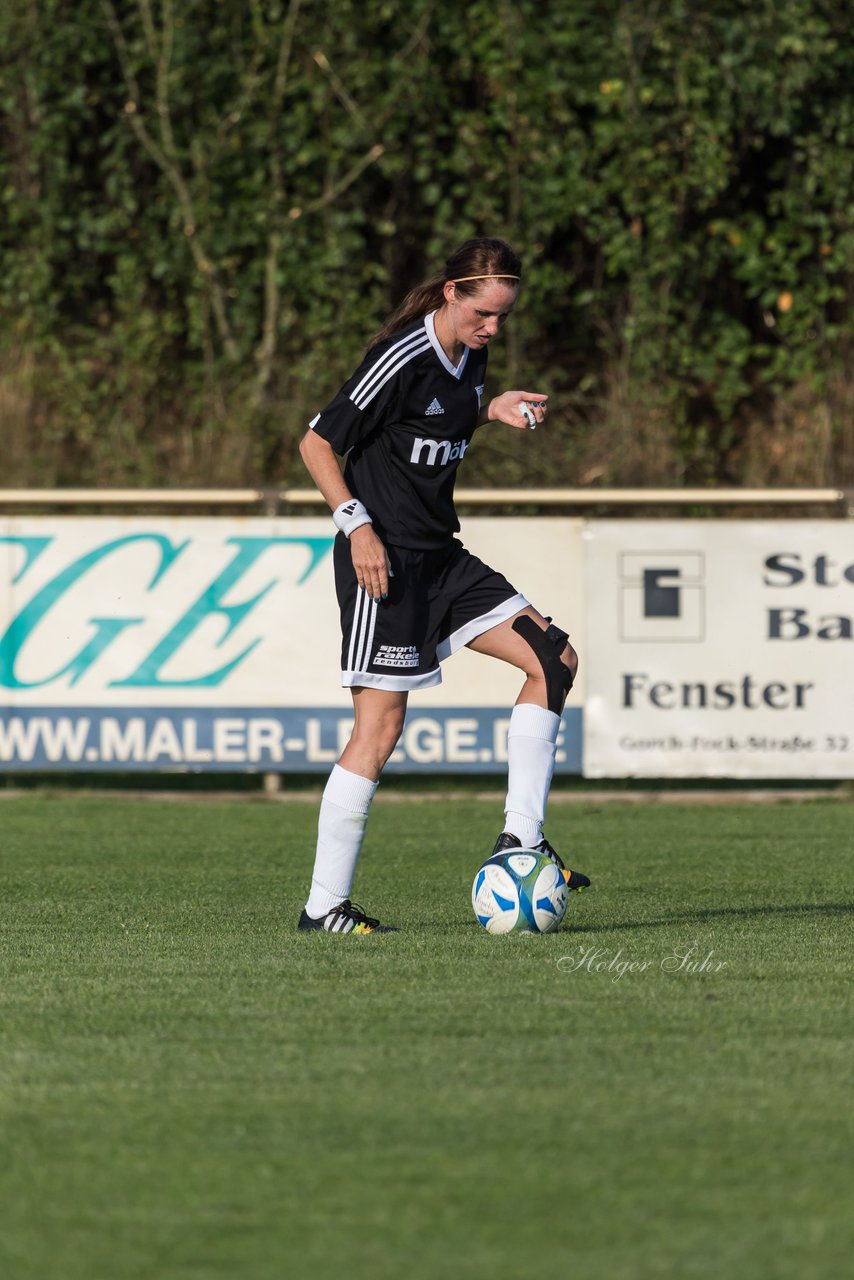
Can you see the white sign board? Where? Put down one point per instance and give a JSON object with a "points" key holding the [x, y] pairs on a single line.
{"points": [[720, 649], [214, 644]]}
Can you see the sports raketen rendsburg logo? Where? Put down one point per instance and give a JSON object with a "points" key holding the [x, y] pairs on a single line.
{"points": [[394, 655]]}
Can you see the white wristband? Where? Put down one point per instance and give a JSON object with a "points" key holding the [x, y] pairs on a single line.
{"points": [[351, 515]]}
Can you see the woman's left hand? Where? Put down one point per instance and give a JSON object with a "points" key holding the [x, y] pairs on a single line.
{"points": [[508, 408]]}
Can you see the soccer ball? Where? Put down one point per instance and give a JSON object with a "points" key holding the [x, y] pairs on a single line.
{"points": [[519, 892]]}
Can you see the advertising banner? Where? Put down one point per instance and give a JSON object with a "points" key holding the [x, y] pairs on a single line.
{"points": [[214, 644], [719, 649]]}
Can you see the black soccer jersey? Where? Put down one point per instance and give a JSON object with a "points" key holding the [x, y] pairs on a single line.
{"points": [[404, 421]]}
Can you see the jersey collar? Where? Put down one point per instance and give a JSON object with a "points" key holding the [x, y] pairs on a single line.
{"points": [[455, 370]]}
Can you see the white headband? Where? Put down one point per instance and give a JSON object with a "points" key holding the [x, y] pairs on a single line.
{"points": [[495, 275]]}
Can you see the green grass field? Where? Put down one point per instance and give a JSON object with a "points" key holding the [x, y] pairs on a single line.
{"points": [[190, 1089]]}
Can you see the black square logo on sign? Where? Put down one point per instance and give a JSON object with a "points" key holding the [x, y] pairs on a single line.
{"points": [[662, 596]]}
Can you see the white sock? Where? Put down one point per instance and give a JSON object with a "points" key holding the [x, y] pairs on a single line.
{"points": [[340, 831], [531, 748]]}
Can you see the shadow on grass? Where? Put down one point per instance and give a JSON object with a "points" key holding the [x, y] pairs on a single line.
{"points": [[679, 917], [686, 917], [697, 917]]}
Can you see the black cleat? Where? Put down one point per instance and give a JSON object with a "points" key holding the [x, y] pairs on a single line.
{"points": [[347, 918], [574, 879]]}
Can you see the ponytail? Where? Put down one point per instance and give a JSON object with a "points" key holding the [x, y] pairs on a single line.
{"points": [[419, 302]]}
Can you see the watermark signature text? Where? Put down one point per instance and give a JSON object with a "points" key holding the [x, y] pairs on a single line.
{"points": [[688, 958]]}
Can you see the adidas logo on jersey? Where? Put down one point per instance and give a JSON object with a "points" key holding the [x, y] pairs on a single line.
{"points": [[433, 408]]}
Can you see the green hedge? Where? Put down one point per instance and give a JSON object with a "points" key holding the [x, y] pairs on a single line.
{"points": [[209, 206]]}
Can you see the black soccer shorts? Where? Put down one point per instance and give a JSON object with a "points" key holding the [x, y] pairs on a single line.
{"points": [[438, 601]]}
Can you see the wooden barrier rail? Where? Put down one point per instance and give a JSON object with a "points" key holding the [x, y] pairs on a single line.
{"points": [[274, 500]]}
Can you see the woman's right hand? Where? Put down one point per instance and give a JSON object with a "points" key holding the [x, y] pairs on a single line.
{"points": [[370, 562]]}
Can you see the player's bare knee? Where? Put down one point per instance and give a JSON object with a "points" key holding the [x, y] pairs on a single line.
{"points": [[379, 737], [388, 735]]}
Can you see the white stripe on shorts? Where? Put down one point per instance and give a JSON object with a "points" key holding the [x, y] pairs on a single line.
{"points": [[362, 635], [471, 630], [396, 684], [375, 604]]}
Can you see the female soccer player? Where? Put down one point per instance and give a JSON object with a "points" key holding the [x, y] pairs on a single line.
{"points": [[409, 592]]}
